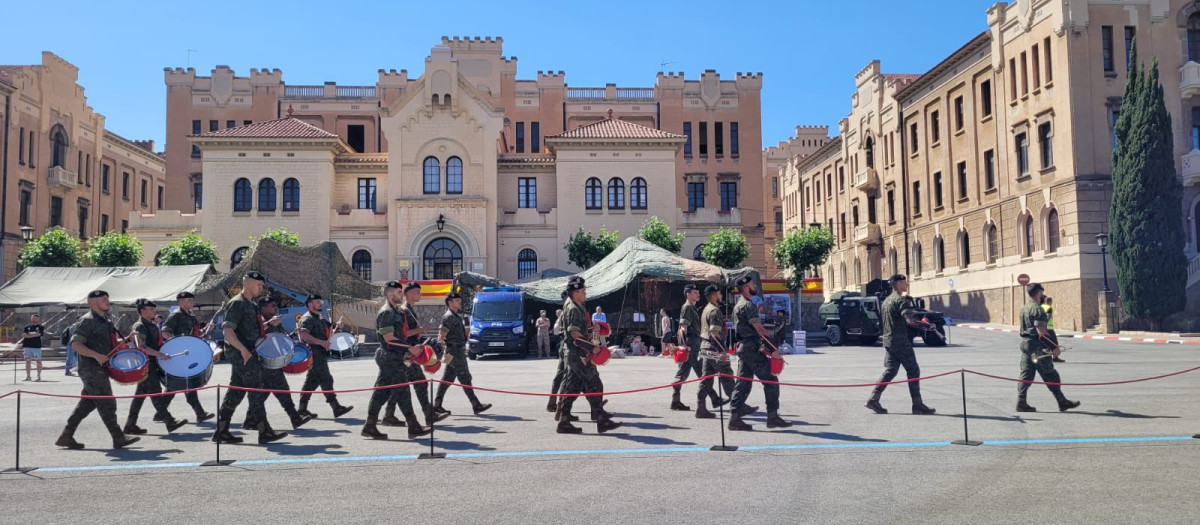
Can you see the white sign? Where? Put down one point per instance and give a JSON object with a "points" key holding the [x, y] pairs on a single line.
{"points": [[799, 342]]}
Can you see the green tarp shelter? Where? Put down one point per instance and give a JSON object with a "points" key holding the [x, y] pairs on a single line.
{"points": [[42, 286]]}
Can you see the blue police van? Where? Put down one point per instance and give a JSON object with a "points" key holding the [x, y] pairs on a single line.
{"points": [[498, 323]]}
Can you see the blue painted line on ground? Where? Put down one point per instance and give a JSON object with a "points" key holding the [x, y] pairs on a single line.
{"points": [[595, 452]]}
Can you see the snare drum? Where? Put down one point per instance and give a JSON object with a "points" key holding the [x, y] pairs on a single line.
{"points": [[301, 360], [190, 365], [342, 345], [274, 350], [128, 366]]}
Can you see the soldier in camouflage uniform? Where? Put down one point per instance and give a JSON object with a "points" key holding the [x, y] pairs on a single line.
{"points": [[452, 335], [561, 372], [713, 356], [243, 327], [752, 362], [897, 314], [93, 338], [411, 329], [1037, 353], [688, 337], [581, 376], [181, 322], [392, 358], [150, 342], [315, 332], [275, 379]]}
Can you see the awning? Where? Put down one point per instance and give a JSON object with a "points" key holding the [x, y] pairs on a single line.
{"points": [[70, 286]]}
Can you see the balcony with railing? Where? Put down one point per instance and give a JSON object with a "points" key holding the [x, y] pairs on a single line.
{"points": [[867, 234], [329, 91], [1189, 79], [347, 218], [610, 93], [710, 217], [62, 180], [866, 180], [526, 217]]}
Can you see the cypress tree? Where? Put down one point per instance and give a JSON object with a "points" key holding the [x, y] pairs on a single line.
{"points": [[1146, 230]]}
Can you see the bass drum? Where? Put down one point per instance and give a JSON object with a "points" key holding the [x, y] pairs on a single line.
{"points": [[128, 366], [190, 365]]}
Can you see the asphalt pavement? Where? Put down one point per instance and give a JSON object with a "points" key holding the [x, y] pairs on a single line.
{"points": [[1123, 456]]}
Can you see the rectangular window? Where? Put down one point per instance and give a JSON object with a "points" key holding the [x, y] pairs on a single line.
{"points": [[1106, 47], [703, 139], [198, 193], [891, 204], [247, 122], [1037, 67], [1130, 36], [989, 168], [31, 152], [719, 138], [56, 205], [83, 217], [196, 130], [937, 190], [124, 225], [917, 198], [160, 197], [1012, 79], [103, 223], [843, 226], [1024, 74], [1046, 62], [213, 125], [21, 148], [356, 137], [366, 193], [1046, 145], [733, 139], [520, 137], [958, 114], [695, 195], [87, 168], [1112, 126], [145, 193], [687, 143], [230, 124], [1022, 143], [125, 185], [985, 98], [535, 137], [935, 128], [104, 178], [527, 192], [912, 135], [962, 180], [26, 203], [79, 169], [729, 195], [774, 187]]}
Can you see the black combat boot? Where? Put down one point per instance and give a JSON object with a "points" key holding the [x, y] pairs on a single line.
{"points": [[565, 416], [1065, 404], [774, 421], [565, 427], [174, 424], [124, 441], [605, 424], [1022, 406], [736, 423], [552, 405], [303, 407], [338, 410], [369, 430], [676, 404], [745, 410], [391, 421], [919, 408], [132, 429], [415, 430], [873, 402], [479, 408], [158, 418], [433, 416], [299, 419], [68, 441], [702, 411], [718, 400], [268, 435], [439, 410], [222, 435], [202, 416]]}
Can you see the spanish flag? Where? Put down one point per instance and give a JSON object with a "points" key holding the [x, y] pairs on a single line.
{"points": [[435, 289], [812, 286]]}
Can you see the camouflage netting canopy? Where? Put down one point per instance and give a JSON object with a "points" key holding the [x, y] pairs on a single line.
{"points": [[320, 269]]}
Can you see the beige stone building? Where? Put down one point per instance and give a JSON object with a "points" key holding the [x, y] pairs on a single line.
{"points": [[501, 161], [807, 140], [59, 166], [997, 162]]}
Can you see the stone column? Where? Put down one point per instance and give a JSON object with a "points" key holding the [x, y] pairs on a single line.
{"points": [[1110, 311]]}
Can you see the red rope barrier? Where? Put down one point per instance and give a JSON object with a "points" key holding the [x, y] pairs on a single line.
{"points": [[1106, 383], [517, 393], [855, 385], [350, 391], [77, 396]]}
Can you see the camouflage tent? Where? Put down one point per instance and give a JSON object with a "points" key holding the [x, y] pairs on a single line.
{"points": [[319, 269]]}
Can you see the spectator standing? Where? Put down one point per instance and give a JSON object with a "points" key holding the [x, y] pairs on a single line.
{"points": [[31, 341], [543, 335], [599, 317]]}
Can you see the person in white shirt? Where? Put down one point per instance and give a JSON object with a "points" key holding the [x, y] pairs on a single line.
{"points": [[599, 317]]}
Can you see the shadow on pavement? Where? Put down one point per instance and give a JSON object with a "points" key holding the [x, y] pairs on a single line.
{"points": [[498, 417], [469, 429], [1010, 419], [842, 437], [459, 446], [287, 449], [1120, 414], [312, 432], [189, 437], [126, 454], [651, 426], [651, 440]]}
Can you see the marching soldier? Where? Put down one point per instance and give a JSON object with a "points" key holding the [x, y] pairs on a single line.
{"points": [[243, 326], [897, 313], [452, 335], [688, 337], [561, 372], [149, 342], [315, 332], [714, 358], [752, 362], [276, 379], [183, 322], [412, 329], [93, 338], [581, 375], [1037, 353], [391, 357]]}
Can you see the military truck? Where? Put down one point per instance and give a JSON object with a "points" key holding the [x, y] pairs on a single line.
{"points": [[855, 316]]}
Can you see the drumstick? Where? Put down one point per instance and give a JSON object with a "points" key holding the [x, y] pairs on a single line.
{"points": [[185, 352]]}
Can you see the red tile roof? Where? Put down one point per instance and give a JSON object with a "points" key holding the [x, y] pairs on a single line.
{"points": [[614, 128], [284, 128]]}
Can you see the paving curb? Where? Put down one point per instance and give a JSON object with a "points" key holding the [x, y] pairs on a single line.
{"points": [[1093, 337]]}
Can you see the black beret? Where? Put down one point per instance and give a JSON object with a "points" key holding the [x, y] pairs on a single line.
{"points": [[897, 278], [393, 285], [575, 285], [689, 288], [1034, 288], [711, 289], [311, 298], [576, 279], [185, 295], [144, 303], [452, 296], [267, 299], [97, 293], [256, 275], [745, 280], [412, 285]]}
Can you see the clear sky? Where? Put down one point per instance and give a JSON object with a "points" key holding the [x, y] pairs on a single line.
{"points": [[807, 50]]}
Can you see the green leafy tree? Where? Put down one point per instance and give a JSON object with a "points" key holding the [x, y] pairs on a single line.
{"points": [[191, 249], [1146, 233], [54, 248], [114, 249], [726, 248], [585, 249], [658, 233], [281, 236], [801, 251]]}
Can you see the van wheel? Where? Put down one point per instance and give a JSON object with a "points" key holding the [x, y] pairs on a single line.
{"points": [[833, 333], [932, 338]]}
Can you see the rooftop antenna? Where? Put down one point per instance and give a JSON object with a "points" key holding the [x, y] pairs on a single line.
{"points": [[189, 56]]}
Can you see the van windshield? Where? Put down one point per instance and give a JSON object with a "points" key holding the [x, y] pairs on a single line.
{"points": [[501, 311]]}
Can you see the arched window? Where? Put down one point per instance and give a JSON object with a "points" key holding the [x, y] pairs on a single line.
{"points": [[291, 195], [433, 176], [454, 175], [443, 259], [857, 271], [361, 263], [939, 255], [1052, 231], [243, 195], [698, 253], [916, 259], [237, 256], [893, 262], [964, 250], [266, 195], [526, 263], [58, 146], [1193, 37], [870, 150], [993, 243], [593, 194], [832, 278], [1027, 249], [616, 193], [845, 276], [637, 194]]}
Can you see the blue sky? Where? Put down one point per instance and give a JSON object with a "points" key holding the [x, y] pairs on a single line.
{"points": [[808, 50]]}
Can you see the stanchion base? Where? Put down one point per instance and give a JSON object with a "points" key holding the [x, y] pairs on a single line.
{"points": [[723, 448], [1197, 436], [967, 442], [432, 455], [218, 463], [21, 470]]}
